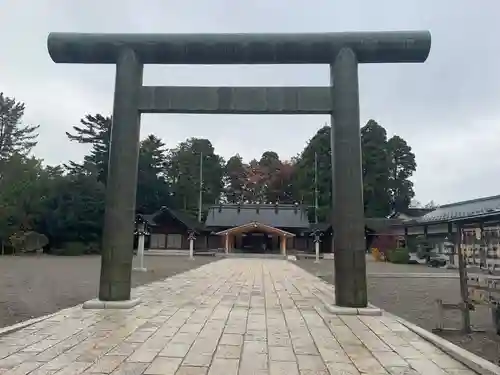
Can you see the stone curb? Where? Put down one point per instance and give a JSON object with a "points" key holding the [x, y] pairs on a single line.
{"points": [[117, 305], [472, 361], [413, 275], [18, 326], [26, 323]]}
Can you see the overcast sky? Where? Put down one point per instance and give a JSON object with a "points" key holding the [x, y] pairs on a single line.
{"points": [[448, 109]]}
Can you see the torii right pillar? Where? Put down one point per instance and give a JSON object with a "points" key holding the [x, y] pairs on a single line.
{"points": [[348, 206]]}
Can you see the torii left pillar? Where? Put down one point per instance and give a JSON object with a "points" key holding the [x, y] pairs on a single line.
{"points": [[348, 213], [121, 186]]}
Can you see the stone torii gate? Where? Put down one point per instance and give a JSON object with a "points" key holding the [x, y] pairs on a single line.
{"points": [[341, 51]]}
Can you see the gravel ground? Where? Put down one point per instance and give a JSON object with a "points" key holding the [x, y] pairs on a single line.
{"points": [[32, 286], [406, 291]]}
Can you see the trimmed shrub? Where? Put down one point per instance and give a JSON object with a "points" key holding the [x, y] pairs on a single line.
{"points": [[93, 248], [25, 242], [77, 249], [399, 256]]}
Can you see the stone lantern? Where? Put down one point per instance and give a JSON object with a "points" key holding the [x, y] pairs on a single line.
{"points": [[141, 231]]}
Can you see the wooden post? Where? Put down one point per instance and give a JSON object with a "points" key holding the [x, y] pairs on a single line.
{"points": [[406, 238], [141, 232], [283, 245], [191, 248], [440, 323], [140, 251], [464, 292], [191, 238], [483, 263], [495, 311], [451, 256], [226, 247]]}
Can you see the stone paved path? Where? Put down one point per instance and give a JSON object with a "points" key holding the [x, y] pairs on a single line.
{"points": [[235, 316]]}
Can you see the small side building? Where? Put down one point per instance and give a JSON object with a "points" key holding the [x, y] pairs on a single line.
{"points": [[436, 222], [478, 220], [169, 230], [378, 233]]}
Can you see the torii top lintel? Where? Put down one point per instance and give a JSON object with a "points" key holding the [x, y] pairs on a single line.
{"points": [[291, 48]]}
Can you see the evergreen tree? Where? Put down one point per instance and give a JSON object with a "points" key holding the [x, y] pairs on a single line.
{"points": [[152, 189], [270, 166], [15, 137], [74, 211], [234, 179], [401, 168], [375, 170], [387, 167], [95, 130], [317, 150], [183, 165], [22, 194]]}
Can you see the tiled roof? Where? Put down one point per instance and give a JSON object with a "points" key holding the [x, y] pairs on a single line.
{"points": [[380, 225], [375, 224], [186, 220], [279, 216], [412, 212], [461, 210]]}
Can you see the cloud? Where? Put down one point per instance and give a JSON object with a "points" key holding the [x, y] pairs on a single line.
{"points": [[446, 108]]}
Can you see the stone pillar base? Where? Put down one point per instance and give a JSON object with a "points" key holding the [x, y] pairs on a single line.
{"points": [[370, 310], [140, 269], [117, 305], [367, 311]]}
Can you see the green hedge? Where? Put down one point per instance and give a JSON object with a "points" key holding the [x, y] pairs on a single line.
{"points": [[77, 248], [399, 256]]}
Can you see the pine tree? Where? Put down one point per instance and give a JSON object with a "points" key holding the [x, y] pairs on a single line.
{"points": [[152, 189], [96, 131], [15, 137], [402, 166]]}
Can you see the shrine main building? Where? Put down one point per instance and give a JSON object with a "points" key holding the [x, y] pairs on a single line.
{"points": [[252, 228]]}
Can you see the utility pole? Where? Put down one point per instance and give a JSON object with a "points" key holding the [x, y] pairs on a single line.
{"points": [[316, 188], [200, 198]]}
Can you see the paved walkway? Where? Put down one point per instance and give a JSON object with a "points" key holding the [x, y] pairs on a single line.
{"points": [[235, 316]]}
